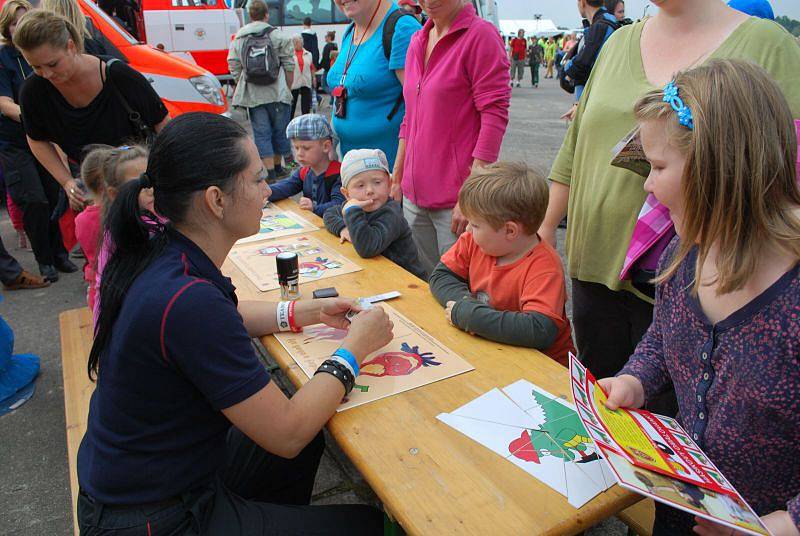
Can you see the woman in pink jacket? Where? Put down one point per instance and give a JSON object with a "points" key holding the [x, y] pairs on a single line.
{"points": [[457, 95]]}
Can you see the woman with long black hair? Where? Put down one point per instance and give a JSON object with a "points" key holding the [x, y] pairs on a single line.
{"points": [[186, 433]]}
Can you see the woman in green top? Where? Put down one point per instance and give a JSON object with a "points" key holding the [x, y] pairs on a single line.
{"points": [[602, 201]]}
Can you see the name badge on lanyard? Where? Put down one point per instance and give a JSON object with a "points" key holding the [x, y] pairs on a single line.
{"points": [[339, 94]]}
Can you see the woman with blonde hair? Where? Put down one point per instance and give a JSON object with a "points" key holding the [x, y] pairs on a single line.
{"points": [[28, 183], [722, 146], [94, 42], [74, 99]]}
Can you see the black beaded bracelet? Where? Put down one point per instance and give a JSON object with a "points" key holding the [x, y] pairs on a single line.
{"points": [[340, 372]]}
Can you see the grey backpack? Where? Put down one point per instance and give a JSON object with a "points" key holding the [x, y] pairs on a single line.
{"points": [[260, 60]]}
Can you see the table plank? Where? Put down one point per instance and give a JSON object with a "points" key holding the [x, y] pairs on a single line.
{"points": [[431, 478], [76, 343]]}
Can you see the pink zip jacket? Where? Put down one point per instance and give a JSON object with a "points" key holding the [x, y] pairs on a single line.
{"points": [[456, 108]]}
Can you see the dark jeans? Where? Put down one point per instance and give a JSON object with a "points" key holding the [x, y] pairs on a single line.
{"points": [[9, 267], [304, 94], [608, 325], [36, 193], [535, 74], [256, 493]]}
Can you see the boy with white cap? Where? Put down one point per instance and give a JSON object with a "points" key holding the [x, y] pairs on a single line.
{"points": [[369, 219], [318, 178]]}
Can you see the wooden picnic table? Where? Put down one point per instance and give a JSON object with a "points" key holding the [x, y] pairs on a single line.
{"points": [[431, 478]]}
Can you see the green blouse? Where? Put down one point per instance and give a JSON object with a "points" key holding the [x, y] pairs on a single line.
{"points": [[604, 201]]}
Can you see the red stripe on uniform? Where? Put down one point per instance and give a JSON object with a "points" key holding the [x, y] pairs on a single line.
{"points": [[166, 312]]}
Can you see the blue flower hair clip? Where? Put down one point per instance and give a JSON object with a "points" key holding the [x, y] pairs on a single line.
{"points": [[684, 113]]}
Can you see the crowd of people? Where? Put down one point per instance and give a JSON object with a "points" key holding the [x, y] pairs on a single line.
{"points": [[569, 53], [685, 283]]}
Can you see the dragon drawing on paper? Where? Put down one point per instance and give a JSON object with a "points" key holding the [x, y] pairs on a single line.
{"points": [[562, 435]]}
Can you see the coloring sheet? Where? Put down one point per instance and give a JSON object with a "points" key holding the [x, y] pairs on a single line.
{"points": [[316, 261], [539, 433], [276, 222], [653, 455], [411, 360]]}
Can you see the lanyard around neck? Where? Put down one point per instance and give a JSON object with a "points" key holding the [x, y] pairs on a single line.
{"points": [[351, 57]]}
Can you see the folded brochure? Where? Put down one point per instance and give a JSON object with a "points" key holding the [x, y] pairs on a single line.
{"points": [[654, 456], [628, 154]]}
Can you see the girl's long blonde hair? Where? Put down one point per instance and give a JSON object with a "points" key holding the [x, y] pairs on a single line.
{"points": [[739, 187], [70, 10]]}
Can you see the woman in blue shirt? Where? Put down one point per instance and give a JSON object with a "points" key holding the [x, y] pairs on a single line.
{"points": [[371, 74], [186, 433]]}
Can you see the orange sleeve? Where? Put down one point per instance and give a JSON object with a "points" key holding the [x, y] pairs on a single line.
{"points": [[457, 257]]}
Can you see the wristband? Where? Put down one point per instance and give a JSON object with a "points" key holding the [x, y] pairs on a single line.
{"points": [[340, 372], [344, 363], [348, 357], [282, 315], [292, 323]]}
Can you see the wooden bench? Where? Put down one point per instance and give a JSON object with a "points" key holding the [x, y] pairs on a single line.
{"points": [[76, 342], [639, 517]]}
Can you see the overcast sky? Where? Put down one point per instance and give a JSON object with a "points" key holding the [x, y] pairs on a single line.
{"points": [[565, 12]]}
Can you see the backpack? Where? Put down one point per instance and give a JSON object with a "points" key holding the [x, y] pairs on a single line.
{"points": [[330, 178], [388, 34], [261, 63], [569, 85]]}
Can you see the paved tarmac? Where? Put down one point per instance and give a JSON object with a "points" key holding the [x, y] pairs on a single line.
{"points": [[34, 480]]}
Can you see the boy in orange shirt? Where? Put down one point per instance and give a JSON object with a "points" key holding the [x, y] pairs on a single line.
{"points": [[499, 280]]}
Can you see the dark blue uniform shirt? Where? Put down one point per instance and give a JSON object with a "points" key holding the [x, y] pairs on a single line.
{"points": [[13, 72], [179, 353]]}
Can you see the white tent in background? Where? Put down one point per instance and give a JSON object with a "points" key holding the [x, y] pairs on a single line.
{"points": [[541, 27]]}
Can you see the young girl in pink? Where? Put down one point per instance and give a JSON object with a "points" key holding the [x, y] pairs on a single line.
{"points": [[104, 170]]}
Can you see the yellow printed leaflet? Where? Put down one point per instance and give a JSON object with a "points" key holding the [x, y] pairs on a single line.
{"points": [[627, 433]]}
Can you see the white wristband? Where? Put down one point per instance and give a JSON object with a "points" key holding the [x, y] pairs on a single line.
{"points": [[343, 361], [282, 316]]}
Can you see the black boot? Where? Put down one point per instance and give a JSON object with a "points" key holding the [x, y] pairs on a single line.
{"points": [[65, 265], [48, 272]]}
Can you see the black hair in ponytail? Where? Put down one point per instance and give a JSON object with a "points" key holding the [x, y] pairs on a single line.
{"points": [[192, 153]]}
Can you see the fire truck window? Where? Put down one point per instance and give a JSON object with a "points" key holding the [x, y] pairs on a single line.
{"points": [[295, 11], [193, 3], [274, 13]]}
